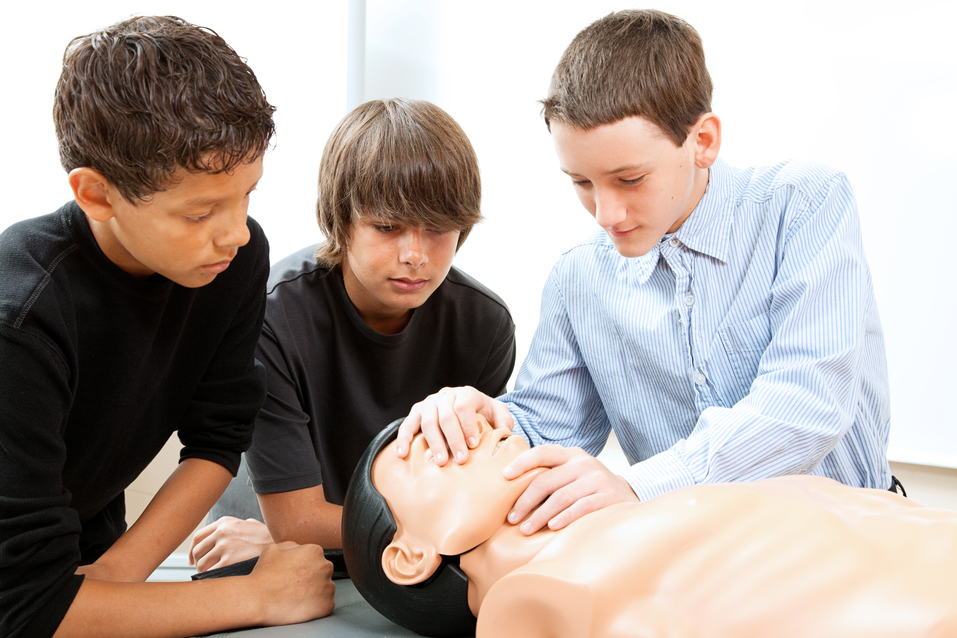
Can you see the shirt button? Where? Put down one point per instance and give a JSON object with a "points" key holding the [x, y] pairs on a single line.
{"points": [[689, 300], [699, 378], [674, 241]]}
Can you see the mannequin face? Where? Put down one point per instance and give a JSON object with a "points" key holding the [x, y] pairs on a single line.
{"points": [[451, 509]]}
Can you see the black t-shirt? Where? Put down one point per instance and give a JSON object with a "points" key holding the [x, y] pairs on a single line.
{"points": [[333, 382], [98, 369]]}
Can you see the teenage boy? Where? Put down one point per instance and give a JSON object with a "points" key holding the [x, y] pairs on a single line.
{"points": [[359, 330], [128, 314], [723, 323]]}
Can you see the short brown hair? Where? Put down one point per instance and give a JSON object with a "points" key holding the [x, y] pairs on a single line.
{"points": [[145, 97], [643, 63], [404, 160]]}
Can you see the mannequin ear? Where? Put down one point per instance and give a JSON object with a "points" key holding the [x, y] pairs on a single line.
{"points": [[707, 132], [407, 565], [92, 193]]}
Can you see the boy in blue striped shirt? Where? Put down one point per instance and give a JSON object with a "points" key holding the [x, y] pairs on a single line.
{"points": [[722, 323]]}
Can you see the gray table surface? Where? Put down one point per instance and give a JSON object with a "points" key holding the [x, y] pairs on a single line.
{"points": [[352, 617]]}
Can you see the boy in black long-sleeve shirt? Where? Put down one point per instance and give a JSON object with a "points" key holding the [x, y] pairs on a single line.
{"points": [[131, 313]]}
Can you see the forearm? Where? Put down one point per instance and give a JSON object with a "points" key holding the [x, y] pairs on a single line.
{"points": [[289, 584], [303, 516], [173, 513], [104, 609]]}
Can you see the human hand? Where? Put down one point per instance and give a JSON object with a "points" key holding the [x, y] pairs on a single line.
{"points": [[576, 484], [447, 420], [294, 583], [227, 541]]}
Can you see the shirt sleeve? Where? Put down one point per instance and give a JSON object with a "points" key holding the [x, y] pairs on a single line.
{"points": [[808, 386], [39, 530], [282, 427], [218, 423], [501, 359], [555, 399]]}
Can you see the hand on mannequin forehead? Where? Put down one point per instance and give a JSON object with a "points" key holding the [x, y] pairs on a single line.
{"points": [[575, 484], [793, 556]]}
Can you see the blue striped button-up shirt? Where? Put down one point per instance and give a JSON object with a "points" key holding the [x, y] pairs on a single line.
{"points": [[745, 345]]}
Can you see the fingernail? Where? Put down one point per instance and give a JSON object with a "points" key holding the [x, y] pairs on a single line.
{"points": [[399, 451], [460, 457], [513, 517], [472, 442], [526, 528], [508, 472], [440, 458]]}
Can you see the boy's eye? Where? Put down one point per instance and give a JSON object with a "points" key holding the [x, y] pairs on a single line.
{"points": [[580, 182], [632, 182], [384, 228], [196, 220]]}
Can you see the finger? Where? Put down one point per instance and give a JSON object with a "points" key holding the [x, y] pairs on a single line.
{"points": [[200, 549], [541, 456], [576, 510], [545, 497], [210, 560], [499, 415], [407, 430], [466, 414], [457, 420], [440, 426]]}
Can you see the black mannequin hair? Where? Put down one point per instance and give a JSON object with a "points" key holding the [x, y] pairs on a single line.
{"points": [[436, 607]]}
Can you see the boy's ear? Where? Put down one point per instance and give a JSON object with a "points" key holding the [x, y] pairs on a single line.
{"points": [[707, 140], [405, 564], [92, 192]]}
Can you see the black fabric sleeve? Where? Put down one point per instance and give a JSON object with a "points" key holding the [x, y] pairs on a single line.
{"points": [[282, 426], [39, 531], [218, 424], [501, 359]]}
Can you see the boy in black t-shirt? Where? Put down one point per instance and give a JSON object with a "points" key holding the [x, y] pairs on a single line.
{"points": [[361, 328], [131, 313]]}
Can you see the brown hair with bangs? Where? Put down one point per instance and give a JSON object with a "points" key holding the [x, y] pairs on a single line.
{"points": [[643, 63], [145, 97], [400, 160]]}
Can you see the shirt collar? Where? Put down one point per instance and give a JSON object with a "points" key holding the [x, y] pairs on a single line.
{"points": [[708, 229]]}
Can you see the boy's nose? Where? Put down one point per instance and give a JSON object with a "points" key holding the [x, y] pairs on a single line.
{"points": [[609, 210], [235, 232], [413, 253]]}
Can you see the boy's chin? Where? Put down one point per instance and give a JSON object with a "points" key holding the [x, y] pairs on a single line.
{"points": [[630, 248]]}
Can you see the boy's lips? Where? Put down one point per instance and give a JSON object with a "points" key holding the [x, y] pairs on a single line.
{"points": [[218, 267], [409, 285], [621, 233]]}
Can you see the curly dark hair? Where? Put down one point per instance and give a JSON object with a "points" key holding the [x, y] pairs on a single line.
{"points": [[437, 607], [148, 96]]}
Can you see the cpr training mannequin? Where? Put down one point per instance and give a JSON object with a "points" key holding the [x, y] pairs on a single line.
{"points": [[793, 556]]}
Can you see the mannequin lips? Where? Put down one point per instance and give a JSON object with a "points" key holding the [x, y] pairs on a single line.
{"points": [[501, 442]]}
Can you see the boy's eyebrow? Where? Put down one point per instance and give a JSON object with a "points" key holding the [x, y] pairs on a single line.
{"points": [[208, 201], [615, 171]]}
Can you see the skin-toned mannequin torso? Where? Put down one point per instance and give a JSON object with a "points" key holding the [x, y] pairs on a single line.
{"points": [[791, 556]]}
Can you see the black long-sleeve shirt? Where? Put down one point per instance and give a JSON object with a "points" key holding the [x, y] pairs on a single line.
{"points": [[97, 369]]}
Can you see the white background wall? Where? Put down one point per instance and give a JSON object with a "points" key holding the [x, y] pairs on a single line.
{"points": [[865, 86]]}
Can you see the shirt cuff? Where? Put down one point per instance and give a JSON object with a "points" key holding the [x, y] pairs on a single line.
{"points": [[658, 475]]}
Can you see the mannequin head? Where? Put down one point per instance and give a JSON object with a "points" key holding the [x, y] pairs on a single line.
{"points": [[436, 607], [405, 521]]}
